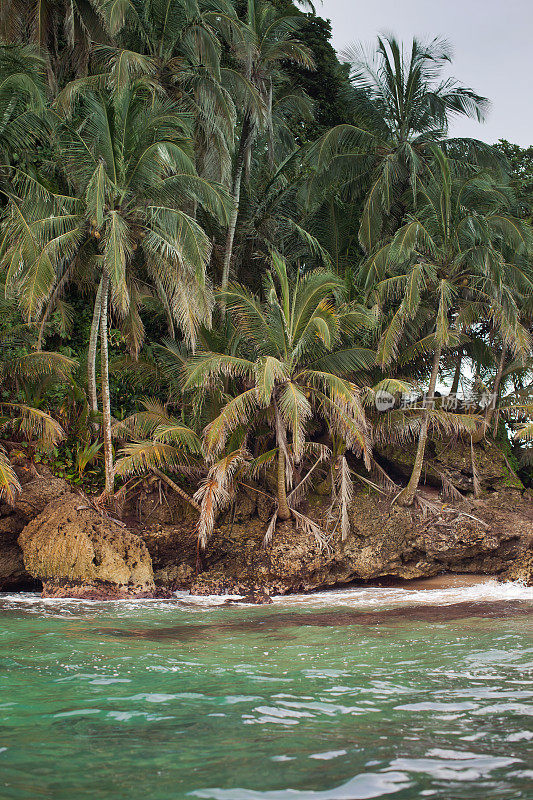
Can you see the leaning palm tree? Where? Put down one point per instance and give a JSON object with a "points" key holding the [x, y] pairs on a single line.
{"points": [[295, 370], [400, 107], [123, 216], [158, 439], [445, 269]]}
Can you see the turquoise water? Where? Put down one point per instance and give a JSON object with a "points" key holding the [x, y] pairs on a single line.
{"points": [[340, 696]]}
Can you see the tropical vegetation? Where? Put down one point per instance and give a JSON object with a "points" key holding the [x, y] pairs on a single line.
{"points": [[218, 272]]}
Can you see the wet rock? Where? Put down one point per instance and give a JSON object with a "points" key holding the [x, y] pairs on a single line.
{"points": [[98, 590], [174, 576], [521, 570], [258, 598], [74, 549]]}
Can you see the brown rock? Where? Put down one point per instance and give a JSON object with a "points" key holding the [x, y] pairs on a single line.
{"points": [[37, 493], [521, 570], [13, 574], [453, 460], [71, 547]]}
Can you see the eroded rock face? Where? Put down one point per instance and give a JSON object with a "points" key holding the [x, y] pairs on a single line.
{"points": [[77, 551], [485, 536], [521, 570], [38, 489], [13, 573]]}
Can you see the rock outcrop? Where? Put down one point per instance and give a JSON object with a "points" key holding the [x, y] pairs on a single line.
{"points": [[491, 535], [38, 489], [13, 574], [57, 539], [488, 536], [77, 551]]}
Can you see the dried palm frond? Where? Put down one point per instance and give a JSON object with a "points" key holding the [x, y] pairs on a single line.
{"points": [[270, 529], [9, 483], [216, 491], [449, 491], [403, 425], [311, 528], [525, 432], [382, 478], [427, 506], [342, 497]]}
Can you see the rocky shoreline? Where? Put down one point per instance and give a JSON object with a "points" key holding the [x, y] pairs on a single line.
{"points": [[57, 540]]}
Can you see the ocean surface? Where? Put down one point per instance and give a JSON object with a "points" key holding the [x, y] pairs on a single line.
{"points": [[340, 695]]}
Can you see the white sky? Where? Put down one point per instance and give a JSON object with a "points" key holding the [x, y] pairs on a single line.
{"points": [[492, 42]]}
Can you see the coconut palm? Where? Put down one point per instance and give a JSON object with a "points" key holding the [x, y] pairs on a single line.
{"points": [[295, 369], [22, 101], [158, 439], [130, 181], [400, 106], [443, 270], [21, 370], [178, 45], [271, 39], [48, 23]]}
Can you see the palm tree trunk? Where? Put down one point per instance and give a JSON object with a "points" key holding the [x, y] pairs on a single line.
{"points": [[50, 307], [161, 475], [407, 495], [491, 408], [245, 143], [106, 399], [91, 355], [457, 374], [284, 511]]}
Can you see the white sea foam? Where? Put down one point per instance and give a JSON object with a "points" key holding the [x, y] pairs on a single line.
{"points": [[485, 591]]}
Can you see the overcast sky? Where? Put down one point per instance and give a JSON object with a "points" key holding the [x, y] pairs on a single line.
{"points": [[492, 42]]}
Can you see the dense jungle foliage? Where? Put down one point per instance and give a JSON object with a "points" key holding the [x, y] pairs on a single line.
{"points": [[228, 257]]}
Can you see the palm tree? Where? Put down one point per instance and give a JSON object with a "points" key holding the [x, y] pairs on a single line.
{"points": [[269, 41], [400, 106], [444, 269], [127, 164], [22, 101], [21, 370], [177, 44], [293, 371], [158, 440], [48, 23]]}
